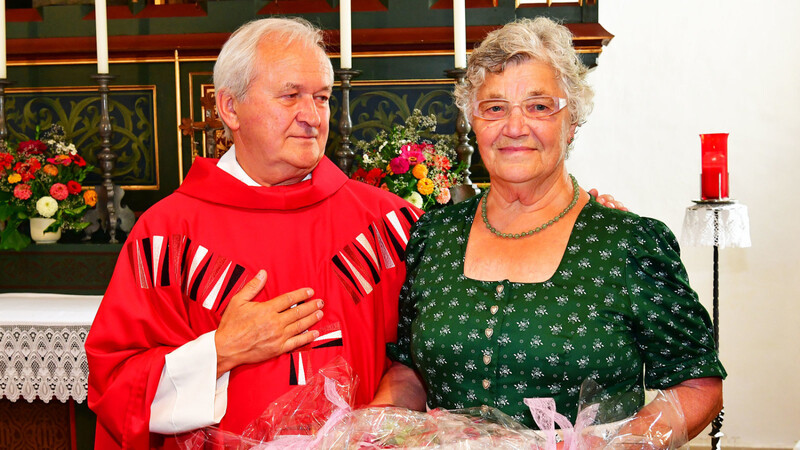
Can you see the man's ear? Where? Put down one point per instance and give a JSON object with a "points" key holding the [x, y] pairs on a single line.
{"points": [[226, 109]]}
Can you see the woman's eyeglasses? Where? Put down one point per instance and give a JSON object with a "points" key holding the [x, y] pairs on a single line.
{"points": [[536, 107]]}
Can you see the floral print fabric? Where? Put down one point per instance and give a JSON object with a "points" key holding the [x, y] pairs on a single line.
{"points": [[619, 302]]}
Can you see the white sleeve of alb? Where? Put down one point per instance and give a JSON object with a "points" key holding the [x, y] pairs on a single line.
{"points": [[189, 396]]}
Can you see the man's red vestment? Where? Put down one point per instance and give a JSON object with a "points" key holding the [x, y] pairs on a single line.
{"points": [[191, 252]]}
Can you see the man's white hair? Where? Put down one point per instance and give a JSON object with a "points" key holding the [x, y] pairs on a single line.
{"points": [[236, 65]]}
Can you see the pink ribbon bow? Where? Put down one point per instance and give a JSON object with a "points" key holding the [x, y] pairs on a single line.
{"points": [[545, 415]]}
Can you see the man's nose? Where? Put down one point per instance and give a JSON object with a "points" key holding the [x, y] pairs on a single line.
{"points": [[309, 112]]}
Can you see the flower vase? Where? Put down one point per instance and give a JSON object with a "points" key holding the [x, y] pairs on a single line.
{"points": [[38, 225]]}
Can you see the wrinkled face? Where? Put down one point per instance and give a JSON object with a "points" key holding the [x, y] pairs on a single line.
{"points": [[280, 128], [518, 149]]}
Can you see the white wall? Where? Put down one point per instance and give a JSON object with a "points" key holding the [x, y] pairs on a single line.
{"points": [[678, 68]]}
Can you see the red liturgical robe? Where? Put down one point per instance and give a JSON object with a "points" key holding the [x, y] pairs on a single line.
{"points": [[190, 253]]}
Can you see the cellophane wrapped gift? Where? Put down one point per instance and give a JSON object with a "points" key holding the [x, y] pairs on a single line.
{"points": [[319, 415], [293, 420], [606, 422]]}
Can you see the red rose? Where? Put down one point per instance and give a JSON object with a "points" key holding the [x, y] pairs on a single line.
{"points": [[74, 187], [59, 191], [29, 148]]}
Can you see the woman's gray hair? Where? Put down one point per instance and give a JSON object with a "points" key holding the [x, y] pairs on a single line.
{"points": [[236, 64], [538, 39]]}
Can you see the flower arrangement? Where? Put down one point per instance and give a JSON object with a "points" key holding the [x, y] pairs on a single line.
{"points": [[42, 178], [411, 162]]}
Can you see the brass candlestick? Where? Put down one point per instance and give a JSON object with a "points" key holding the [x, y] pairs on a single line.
{"points": [[464, 150], [344, 156], [106, 157]]}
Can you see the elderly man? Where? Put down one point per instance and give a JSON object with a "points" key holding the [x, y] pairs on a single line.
{"points": [[262, 267]]}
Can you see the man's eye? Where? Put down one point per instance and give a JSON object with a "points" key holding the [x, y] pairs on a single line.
{"points": [[323, 98]]}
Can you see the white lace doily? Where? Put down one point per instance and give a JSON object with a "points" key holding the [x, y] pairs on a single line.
{"points": [[732, 225], [43, 362]]}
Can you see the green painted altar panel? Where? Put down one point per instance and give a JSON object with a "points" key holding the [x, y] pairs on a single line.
{"points": [[132, 113]]}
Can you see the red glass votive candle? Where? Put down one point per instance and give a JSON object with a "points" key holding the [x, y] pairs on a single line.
{"points": [[714, 178]]}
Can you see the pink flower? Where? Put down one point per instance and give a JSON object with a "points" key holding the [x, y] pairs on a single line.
{"points": [[399, 165], [413, 155], [22, 191], [441, 162], [64, 160], [59, 191], [444, 196]]}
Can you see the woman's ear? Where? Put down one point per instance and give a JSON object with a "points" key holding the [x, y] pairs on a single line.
{"points": [[226, 109]]}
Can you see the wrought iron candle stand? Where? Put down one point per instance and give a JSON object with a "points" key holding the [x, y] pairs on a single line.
{"points": [[716, 223], [464, 150], [106, 157], [344, 156], [4, 83]]}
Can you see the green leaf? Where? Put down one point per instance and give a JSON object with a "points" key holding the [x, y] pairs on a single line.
{"points": [[12, 239]]}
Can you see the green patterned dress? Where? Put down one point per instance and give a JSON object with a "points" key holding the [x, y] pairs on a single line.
{"points": [[618, 310]]}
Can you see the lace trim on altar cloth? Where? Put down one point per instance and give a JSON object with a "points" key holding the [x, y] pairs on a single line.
{"points": [[43, 362], [729, 229]]}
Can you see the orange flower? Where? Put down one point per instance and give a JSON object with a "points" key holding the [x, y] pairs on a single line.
{"points": [[50, 170], [420, 171], [14, 178], [90, 197], [425, 186]]}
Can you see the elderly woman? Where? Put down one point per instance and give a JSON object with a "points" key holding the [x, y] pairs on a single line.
{"points": [[532, 287]]}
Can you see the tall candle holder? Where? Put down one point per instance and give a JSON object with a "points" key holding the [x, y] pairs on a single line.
{"points": [[4, 83], [464, 150], [345, 155], [717, 224], [106, 157]]}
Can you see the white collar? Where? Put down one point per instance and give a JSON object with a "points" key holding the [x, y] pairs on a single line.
{"points": [[229, 164]]}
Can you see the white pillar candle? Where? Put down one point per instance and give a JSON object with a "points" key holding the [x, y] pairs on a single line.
{"points": [[345, 36], [460, 34], [3, 72], [102, 35]]}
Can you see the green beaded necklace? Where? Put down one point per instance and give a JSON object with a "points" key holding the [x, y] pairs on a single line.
{"points": [[540, 227]]}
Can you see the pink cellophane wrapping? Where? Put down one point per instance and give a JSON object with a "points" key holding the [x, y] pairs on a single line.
{"points": [[319, 415]]}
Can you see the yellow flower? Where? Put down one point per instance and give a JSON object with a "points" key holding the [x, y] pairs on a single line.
{"points": [[420, 171], [14, 178], [425, 186]]}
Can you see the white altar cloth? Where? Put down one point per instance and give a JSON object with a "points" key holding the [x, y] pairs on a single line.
{"points": [[41, 345]]}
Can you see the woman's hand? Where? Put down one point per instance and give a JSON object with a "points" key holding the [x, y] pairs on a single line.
{"points": [[608, 200], [663, 424]]}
